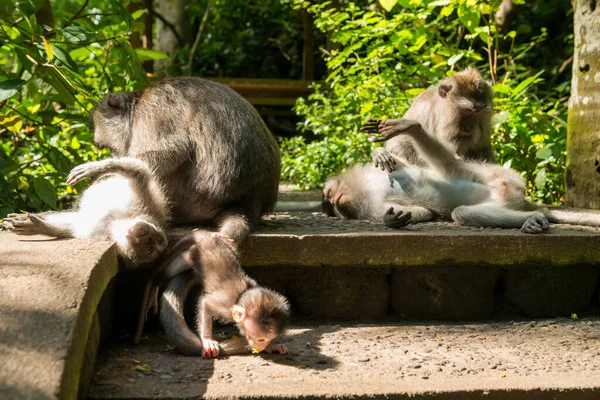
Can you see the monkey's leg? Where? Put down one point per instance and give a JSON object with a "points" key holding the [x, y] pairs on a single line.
{"points": [[233, 225], [143, 182], [139, 240], [491, 215], [405, 216], [59, 225]]}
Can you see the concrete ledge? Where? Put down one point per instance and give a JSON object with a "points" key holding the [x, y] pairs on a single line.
{"points": [[49, 292], [511, 360]]}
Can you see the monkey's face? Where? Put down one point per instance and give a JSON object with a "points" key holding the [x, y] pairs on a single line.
{"points": [[474, 98], [110, 119], [255, 335]]}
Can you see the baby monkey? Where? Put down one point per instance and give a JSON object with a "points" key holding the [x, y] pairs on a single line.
{"points": [[128, 207], [228, 295]]}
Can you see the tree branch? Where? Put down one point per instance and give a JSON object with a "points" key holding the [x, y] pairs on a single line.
{"points": [[170, 26], [199, 36]]}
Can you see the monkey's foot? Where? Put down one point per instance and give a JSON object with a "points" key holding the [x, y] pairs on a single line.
{"points": [[210, 348], [537, 223], [92, 170], [26, 224], [226, 238], [397, 220], [383, 159], [276, 348], [389, 128], [144, 242]]}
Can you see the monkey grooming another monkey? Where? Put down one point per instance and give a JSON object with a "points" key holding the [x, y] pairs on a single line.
{"points": [[458, 113], [217, 161], [469, 193], [128, 207], [228, 295]]}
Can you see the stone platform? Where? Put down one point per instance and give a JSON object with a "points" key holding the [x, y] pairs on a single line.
{"points": [[547, 359], [58, 297]]}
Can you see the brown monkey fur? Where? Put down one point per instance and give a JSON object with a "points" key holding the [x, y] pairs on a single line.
{"points": [[457, 112]]}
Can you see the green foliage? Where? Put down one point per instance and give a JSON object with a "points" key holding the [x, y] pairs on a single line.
{"points": [[251, 39], [50, 78], [386, 59]]}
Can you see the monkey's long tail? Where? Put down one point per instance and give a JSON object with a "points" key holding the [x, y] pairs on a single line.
{"points": [[171, 314], [573, 217]]}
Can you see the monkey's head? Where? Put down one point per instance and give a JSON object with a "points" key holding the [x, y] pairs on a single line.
{"points": [[261, 315], [111, 118], [468, 92]]}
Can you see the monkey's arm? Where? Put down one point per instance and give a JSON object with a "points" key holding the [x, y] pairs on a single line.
{"points": [[438, 157], [142, 179], [210, 347]]}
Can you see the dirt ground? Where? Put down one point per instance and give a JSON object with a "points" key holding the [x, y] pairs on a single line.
{"points": [[551, 357]]}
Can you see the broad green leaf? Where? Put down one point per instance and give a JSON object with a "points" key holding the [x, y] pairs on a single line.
{"points": [[75, 33], [540, 179], [139, 13], [45, 191], [29, 7], [145, 54], [64, 58], [502, 88], [439, 3], [4, 211], [455, 58], [545, 152], [526, 83], [468, 17], [10, 87], [388, 4]]}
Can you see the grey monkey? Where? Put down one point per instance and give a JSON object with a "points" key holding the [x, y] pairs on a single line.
{"points": [[457, 112]]}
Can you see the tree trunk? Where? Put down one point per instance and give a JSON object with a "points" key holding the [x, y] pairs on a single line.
{"points": [[583, 140], [175, 13]]}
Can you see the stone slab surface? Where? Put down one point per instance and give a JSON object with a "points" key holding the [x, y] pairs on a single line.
{"points": [[49, 290], [545, 359]]}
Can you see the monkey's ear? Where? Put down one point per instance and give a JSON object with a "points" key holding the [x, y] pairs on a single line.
{"points": [[443, 90], [116, 100], [238, 313]]}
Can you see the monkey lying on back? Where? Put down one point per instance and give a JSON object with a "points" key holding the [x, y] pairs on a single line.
{"points": [[457, 112], [128, 207], [228, 295], [470, 193]]}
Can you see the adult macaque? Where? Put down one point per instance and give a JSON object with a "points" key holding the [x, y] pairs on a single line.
{"points": [[228, 295], [128, 207], [457, 113], [467, 192], [217, 161]]}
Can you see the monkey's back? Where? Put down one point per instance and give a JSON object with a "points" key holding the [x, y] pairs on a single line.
{"points": [[230, 159]]}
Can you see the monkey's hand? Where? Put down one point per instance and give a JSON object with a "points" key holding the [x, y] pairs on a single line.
{"points": [[397, 220], [26, 224], [537, 223], [92, 170], [276, 348], [383, 159], [210, 348]]}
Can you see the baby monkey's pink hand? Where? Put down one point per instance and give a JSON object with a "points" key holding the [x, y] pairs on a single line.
{"points": [[277, 348]]}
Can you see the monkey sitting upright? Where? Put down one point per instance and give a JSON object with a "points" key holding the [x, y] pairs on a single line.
{"points": [[457, 112], [467, 192], [128, 207], [228, 295]]}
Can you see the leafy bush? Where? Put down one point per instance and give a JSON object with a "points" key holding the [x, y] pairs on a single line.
{"points": [[50, 78], [386, 59]]}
